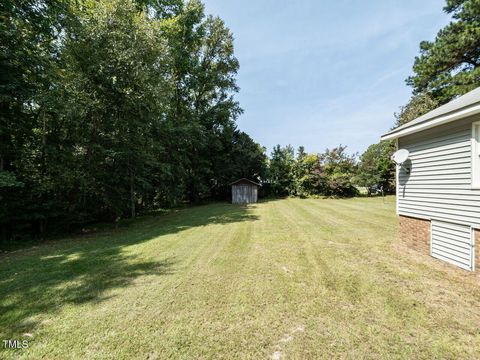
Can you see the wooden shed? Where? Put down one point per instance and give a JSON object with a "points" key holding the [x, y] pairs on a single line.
{"points": [[244, 191], [438, 186]]}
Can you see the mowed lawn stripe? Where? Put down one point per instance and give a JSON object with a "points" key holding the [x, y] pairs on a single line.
{"points": [[144, 301], [288, 279], [405, 307], [195, 312]]}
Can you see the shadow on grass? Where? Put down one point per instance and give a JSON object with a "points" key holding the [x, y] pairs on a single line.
{"points": [[43, 279]]}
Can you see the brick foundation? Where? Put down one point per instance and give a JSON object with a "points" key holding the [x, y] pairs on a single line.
{"points": [[477, 250], [415, 233]]}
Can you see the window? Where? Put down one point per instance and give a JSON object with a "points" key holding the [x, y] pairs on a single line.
{"points": [[476, 155]]}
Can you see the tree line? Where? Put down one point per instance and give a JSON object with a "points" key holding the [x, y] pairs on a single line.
{"points": [[111, 108]]}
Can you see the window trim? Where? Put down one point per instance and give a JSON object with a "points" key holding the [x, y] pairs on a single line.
{"points": [[475, 155]]}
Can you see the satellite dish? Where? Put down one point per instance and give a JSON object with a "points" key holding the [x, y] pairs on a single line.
{"points": [[400, 156]]}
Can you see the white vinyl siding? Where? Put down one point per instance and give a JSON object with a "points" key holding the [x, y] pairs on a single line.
{"points": [[452, 243], [439, 185]]}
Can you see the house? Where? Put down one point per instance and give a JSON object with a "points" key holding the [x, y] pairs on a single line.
{"points": [[438, 186], [244, 191]]}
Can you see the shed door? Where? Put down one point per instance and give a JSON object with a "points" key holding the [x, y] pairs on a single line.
{"points": [[240, 194], [453, 243], [244, 194]]}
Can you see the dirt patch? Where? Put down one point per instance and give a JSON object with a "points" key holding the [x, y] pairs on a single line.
{"points": [[277, 355]]}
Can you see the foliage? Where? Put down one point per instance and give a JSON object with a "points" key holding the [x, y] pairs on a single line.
{"points": [[241, 157], [282, 170], [307, 174], [109, 108], [417, 106], [337, 170], [327, 174], [376, 168], [450, 65]]}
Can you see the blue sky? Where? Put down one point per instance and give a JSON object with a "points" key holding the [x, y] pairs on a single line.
{"points": [[319, 73]]}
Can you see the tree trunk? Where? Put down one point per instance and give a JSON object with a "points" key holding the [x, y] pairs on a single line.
{"points": [[132, 196], [42, 226], [3, 238]]}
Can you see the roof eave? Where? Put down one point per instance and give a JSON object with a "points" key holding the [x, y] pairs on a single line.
{"points": [[439, 120], [250, 181]]}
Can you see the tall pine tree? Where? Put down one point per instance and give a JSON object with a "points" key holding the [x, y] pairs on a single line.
{"points": [[450, 65]]}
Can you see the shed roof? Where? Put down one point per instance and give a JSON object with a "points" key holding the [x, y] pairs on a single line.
{"points": [[459, 108], [245, 179]]}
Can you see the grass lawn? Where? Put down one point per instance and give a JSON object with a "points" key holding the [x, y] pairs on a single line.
{"points": [[284, 279]]}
